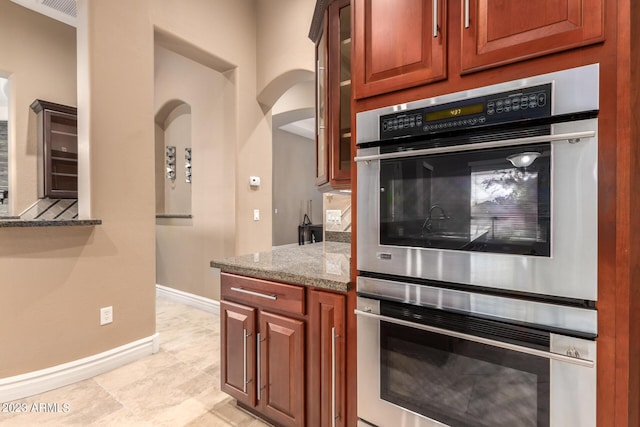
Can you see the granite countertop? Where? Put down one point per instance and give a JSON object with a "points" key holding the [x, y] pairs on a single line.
{"points": [[17, 222], [323, 265]]}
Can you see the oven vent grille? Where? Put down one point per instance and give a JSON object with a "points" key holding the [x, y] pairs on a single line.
{"points": [[478, 326]]}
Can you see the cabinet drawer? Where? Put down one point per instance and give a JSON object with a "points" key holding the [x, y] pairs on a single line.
{"points": [[263, 293]]}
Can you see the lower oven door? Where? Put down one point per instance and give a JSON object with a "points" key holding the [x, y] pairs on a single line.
{"points": [[412, 374]]}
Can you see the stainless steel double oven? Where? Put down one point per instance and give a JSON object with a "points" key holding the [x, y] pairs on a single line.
{"points": [[477, 252]]}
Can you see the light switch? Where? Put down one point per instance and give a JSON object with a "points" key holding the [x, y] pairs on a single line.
{"points": [[334, 216], [256, 214]]}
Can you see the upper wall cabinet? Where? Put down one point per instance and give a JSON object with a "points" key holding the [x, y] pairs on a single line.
{"points": [[57, 150], [497, 32], [331, 30], [398, 44]]}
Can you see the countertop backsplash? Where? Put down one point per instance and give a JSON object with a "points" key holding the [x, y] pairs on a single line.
{"points": [[337, 217]]}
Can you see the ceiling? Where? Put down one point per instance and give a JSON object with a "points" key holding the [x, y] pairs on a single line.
{"points": [[304, 128]]}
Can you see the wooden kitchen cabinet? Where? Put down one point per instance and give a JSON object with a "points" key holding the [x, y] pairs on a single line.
{"points": [[237, 335], [498, 32], [57, 150], [281, 361], [283, 351], [327, 359], [333, 94], [263, 347], [398, 44]]}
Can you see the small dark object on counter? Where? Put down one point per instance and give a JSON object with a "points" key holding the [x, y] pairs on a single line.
{"points": [[308, 232]]}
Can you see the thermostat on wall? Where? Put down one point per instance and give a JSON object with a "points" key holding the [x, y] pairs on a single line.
{"points": [[254, 181]]}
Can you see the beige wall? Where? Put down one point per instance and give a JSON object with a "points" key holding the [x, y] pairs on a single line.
{"points": [[184, 247], [293, 185], [56, 279], [286, 55], [38, 55], [222, 34]]}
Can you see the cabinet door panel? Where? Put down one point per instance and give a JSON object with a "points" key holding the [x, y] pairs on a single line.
{"points": [[237, 369], [282, 369], [504, 31], [399, 44], [327, 359]]}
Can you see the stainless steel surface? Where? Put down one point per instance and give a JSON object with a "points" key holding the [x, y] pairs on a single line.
{"points": [[571, 271], [572, 388], [372, 410], [258, 361], [435, 18], [255, 294], [333, 377], [573, 138], [466, 13], [519, 310], [244, 379], [473, 338], [574, 90]]}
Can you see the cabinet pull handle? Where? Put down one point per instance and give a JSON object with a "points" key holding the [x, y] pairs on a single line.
{"points": [[258, 362], [334, 416], [435, 18], [466, 14], [255, 294], [244, 379]]}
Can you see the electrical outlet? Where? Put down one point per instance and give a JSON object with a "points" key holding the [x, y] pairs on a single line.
{"points": [[256, 214], [106, 315]]}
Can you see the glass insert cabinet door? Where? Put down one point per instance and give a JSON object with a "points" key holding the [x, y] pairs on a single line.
{"points": [[333, 97], [322, 161]]}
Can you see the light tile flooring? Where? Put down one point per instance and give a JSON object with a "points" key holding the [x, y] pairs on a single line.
{"points": [[178, 386]]}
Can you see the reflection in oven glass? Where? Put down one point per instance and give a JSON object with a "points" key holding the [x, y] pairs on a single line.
{"points": [[471, 201], [504, 204], [462, 383]]}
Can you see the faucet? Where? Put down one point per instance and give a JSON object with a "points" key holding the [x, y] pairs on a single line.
{"points": [[429, 221]]}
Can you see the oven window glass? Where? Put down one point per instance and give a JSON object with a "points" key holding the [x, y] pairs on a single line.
{"points": [[487, 201], [462, 383]]}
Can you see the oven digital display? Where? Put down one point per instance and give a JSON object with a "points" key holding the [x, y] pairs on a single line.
{"points": [[450, 113]]}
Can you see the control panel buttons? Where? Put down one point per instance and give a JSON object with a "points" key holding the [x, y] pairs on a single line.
{"points": [[542, 99], [497, 108]]}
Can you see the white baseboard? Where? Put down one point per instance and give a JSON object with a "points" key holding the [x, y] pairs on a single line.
{"points": [[37, 382], [206, 304]]}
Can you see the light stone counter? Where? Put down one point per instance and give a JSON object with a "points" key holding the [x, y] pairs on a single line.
{"points": [[323, 265]]}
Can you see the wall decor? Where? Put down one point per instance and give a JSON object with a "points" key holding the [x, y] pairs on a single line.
{"points": [[171, 162], [187, 164]]}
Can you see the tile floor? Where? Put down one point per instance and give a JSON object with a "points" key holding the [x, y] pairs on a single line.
{"points": [[178, 386]]}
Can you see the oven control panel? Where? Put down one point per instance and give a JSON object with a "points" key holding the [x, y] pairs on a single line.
{"points": [[505, 107]]}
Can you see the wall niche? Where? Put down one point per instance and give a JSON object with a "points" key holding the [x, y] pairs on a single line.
{"points": [[173, 154]]}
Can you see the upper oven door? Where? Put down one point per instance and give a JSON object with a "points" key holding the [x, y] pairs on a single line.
{"points": [[474, 201], [479, 217]]}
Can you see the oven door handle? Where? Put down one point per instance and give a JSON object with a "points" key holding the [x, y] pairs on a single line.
{"points": [[493, 343], [572, 137]]}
